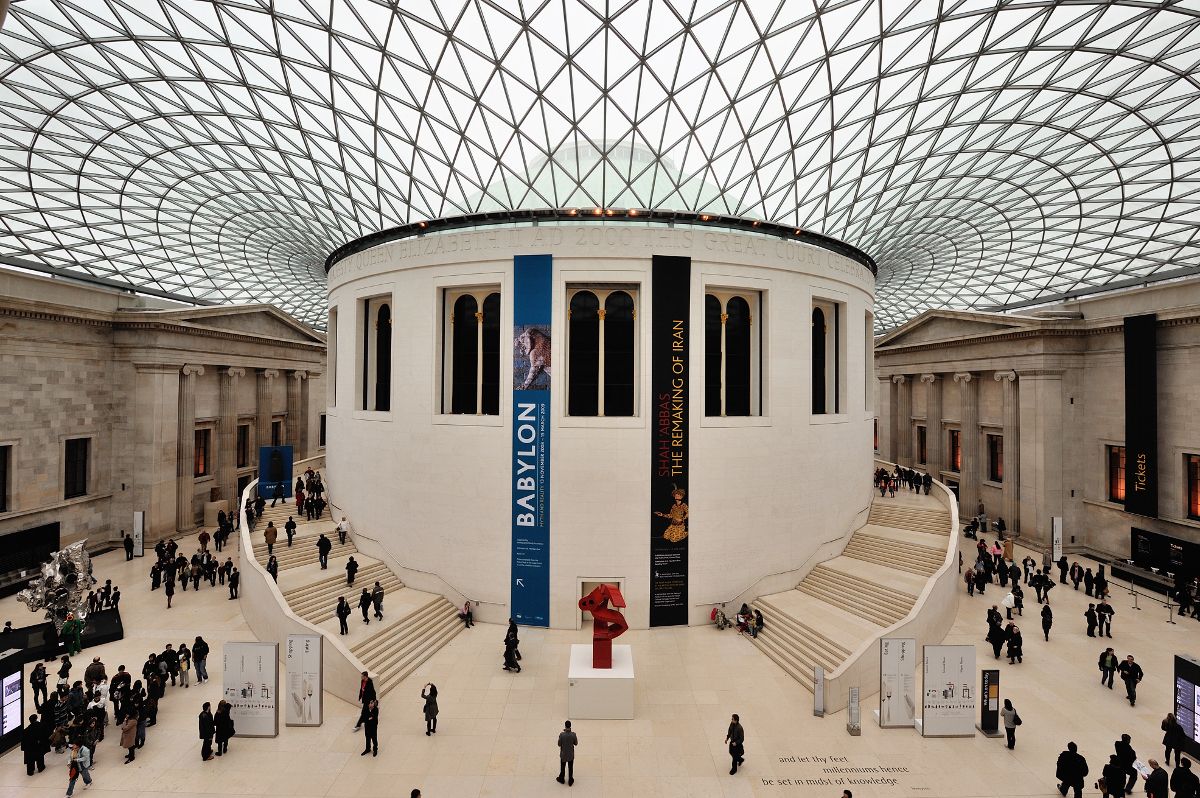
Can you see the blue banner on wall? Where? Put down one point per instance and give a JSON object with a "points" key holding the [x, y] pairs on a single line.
{"points": [[532, 288], [274, 468]]}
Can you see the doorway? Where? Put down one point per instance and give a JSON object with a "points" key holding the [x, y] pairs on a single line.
{"points": [[586, 585]]}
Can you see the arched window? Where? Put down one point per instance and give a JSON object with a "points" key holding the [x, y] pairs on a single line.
{"points": [[465, 346], [732, 359], [818, 361], [383, 358], [617, 336], [471, 351], [583, 355]]}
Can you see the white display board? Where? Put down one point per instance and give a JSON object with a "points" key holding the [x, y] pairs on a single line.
{"points": [[251, 685], [948, 706], [897, 681], [139, 533], [1056, 536], [302, 660]]}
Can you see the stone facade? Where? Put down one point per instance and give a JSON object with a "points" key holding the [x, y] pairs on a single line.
{"points": [[78, 361], [1051, 384]]}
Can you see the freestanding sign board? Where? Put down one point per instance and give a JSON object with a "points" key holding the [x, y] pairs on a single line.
{"points": [[989, 704], [251, 684], [303, 662], [139, 533], [948, 706], [1056, 536], [897, 682]]}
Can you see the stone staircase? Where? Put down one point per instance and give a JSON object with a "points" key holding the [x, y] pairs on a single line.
{"points": [[397, 651], [317, 602], [303, 550], [847, 600]]}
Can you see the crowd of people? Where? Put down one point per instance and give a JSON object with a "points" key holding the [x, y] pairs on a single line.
{"points": [[888, 482], [171, 569]]}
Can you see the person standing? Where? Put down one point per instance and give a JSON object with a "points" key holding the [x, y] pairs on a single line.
{"points": [[431, 708], [1131, 674], [1184, 782], [1088, 580], [35, 743], [185, 665], [273, 568], [208, 728], [567, 740], [1015, 644], [1072, 769], [377, 601], [1126, 756], [366, 694], [1113, 775], [37, 680], [364, 604], [79, 765], [342, 612], [1092, 619], [1063, 567], [1105, 613], [290, 529], [129, 728], [1173, 738], [200, 658], [323, 547], [370, 723], [127, 544], [1047, 620], [1011, 721], [1157, 782], [735, 737], [235, 580], [223, 723], [169, 589], [351, 570], [271, 534], [1108, 666]]}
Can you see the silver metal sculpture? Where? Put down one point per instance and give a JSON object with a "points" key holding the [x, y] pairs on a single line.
{"points": [[61, 588]]}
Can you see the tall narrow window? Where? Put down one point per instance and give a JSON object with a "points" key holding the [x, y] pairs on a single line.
{"points": [[922, 440], [321, 432], [955, 458], [471, 351], [1192, 469], [995, 452], [602, 351], [375, 353], [202, 460], [875, 425], [383, 358], [737, 357], [75, 478], [732, 364], [277, 433], [5, 472], [828, 357], [243, 445], [1116, 473], [712, 355]]}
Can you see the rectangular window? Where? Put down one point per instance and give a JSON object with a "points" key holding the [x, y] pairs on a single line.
{"points": [[1192, 469], [5, 475], [75, 478], [471, 350], [602, 350], [828, 356], [955, 458], [375, 353], [243, 445], [202, 459], [732, 353], [995, 453], [321, 433], [277, 432], [876, 426], [1115, 461], [922, 450]]}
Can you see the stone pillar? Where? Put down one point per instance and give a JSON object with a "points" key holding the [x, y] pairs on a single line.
{"points": [[185, 473], [1043, 446], [934, 444], [886, 401], [227, 436], [297, 419], [1011, 495], [968, 481], [902, 428], [262, 411]]}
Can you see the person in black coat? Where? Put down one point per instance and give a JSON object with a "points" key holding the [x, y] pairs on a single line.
{"points": [[1126, 756], [1114, 777], [736, 737], [1015, 641], [342, 612], [1092, 619], [1063, 567], [351, 570], [1131, 674], [35, 743], [1105, 613], [324, 545], [1184, 782], [235, 580], [364, 604], [127, 544], [1173, 738], [208, 728], [1072, 769], [431, 708], [366, 694], [1047, 620], [371, 728], [224, 727], [995, 636], [1157, 782]]}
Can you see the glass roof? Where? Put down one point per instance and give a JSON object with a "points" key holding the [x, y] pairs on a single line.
{"points": [[984, 153]]}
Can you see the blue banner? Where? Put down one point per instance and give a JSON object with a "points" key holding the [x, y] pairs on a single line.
{"points": [[532, 289], [274, 468]]}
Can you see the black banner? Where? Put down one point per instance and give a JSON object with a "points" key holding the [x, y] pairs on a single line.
{"points": [[669, 342], [1141, 415], [989, 703]]}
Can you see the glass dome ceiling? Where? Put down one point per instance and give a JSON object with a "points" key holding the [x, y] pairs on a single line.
{"points": [[984, 153]]}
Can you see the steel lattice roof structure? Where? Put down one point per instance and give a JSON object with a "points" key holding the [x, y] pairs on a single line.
{"points": [[983, 153]]}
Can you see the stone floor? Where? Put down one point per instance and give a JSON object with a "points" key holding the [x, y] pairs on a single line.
{"points": [[497, 731]]}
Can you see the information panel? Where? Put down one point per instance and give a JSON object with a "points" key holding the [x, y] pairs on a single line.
{"points": [[251, 685], [1141, 415], [274, 468], [948, 706], [989, 706], [670, 335], [533, 282], [1187, 702], [303, 663], [897, 681]]}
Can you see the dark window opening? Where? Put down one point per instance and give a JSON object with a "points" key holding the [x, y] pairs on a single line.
{"points": [[618, 354], [464, 343], [583, 355], [1116, 474], [203, 438], [243, 445], [995, 450], [75, 481], [818, 361], [383, 359], [737, 357]]}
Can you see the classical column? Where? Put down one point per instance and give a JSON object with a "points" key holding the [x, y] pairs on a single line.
{"points": [[883, 411], [227, 435], [297, 419], [934, 445], [1010, 496], [1045, 444], [185, 473], [262, 410], [902, 428], [968, 439]]}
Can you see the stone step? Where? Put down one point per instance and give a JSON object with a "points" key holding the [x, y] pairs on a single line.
{"points": [[399, 650], [862, 578], [367, 570], [302, 552], [321, 609], [855, 596], [799, 640], [799, 669]]}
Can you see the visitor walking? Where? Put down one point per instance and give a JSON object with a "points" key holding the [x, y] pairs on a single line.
{"points": [[1112, 778], [351, 570], [1126, 756], [736, 738], [1184, 782], [200, 658], [364, 604], [271, 534], [377, 601], [1072, 769], [323, 547], [290, 529], [366, 694], [273, 568], [1173, 738], [567, 740], [235, 580], [342, 528], [1105, 613], [169, 589], [1047, 620], [431, 708], [1011, 721], [342, 612], [79, 765], [1131, 674]]}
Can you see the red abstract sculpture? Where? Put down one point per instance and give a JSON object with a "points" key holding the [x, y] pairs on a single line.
{"points": [[608, 622]]}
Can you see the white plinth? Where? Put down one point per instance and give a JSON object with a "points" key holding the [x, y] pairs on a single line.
{"points": [[600, 694]]}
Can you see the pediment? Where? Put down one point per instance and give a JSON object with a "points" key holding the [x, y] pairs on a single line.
{"points": [[942, 326], [260, 320]]}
